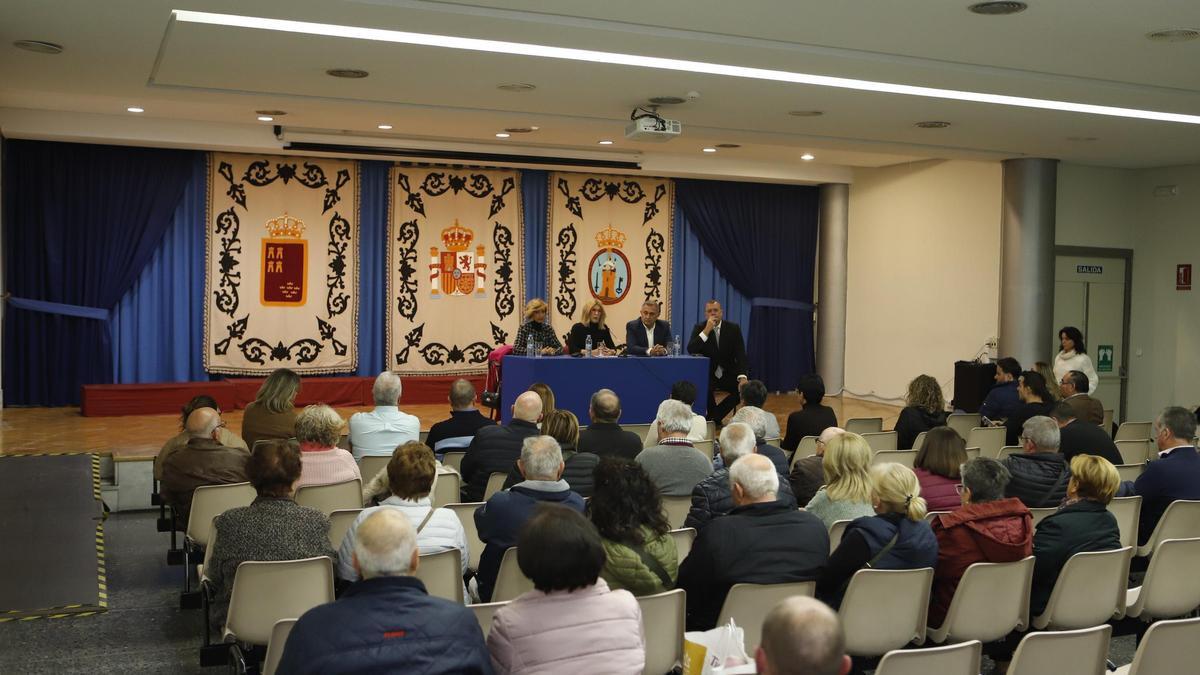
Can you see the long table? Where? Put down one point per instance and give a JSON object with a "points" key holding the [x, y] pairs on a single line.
{"points": [[641, 382]]}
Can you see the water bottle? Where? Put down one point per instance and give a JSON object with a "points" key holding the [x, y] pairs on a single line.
{"points": [[675, 346], [530, 350], [588, 345]]}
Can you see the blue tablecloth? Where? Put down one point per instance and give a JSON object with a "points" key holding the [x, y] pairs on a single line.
{"points": [[641, 382]]}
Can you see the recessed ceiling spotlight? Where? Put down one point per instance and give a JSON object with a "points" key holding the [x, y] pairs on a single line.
{"points": [[667, 100], [998, 8], [135, 109], [517, 86], [272, 113], [807, 157], [347, 73], [385, 127], [265, 118], [806, 113], [728, 145], [1082, 139], [39, 46], [709, 149], [502, 135], [520, 130], [932, 124], [605, 142], [1173, 35]]}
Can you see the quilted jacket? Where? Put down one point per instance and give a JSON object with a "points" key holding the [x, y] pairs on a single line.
{"points": [[625, 569]]}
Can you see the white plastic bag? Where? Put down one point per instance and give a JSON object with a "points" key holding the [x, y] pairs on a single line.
{"points": [[720, 651]]}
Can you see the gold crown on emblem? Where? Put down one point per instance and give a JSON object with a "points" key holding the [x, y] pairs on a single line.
{"points": [[286, 226], [457, 238], [610, 238]]}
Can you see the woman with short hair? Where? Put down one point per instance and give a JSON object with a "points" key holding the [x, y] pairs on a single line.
{"points": [[937, 466], [626, 509], [591, 324], [272, 414], [536, 331], [572, 622], [318, 429], [924, 409], [846, 494]]}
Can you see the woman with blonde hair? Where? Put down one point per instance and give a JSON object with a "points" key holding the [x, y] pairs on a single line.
{"points": [[273, 412], [591, 324], [924, 409], [895, 538], [846, 494], [536, 331], [1042, 368]]}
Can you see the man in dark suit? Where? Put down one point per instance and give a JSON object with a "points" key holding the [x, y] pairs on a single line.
{"points": [[1079, 437], [604, 436], [648, 336], [721, 341], [1074, 387], [1176, 472]]}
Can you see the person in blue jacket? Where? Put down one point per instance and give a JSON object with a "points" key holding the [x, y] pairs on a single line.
{"points": [[1174, 474]]}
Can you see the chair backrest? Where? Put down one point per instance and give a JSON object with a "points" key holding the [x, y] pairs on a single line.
{"points": [[495, 484], [1089, 591], [835, 533], [1040, 513], [1172, 587], [332, 497], [963, 423], [973, 453], [748, 604], [662, 624], [484, 613], [266, 591], [1070, 652], [905, 457], [959, 659], [705, 447], [919, 441], [510, 581], [445, 489], [882, 440], [884, 610], [339, 524], [991, 600], [441, 573], [1133, 431], [640, 429], [422, 436], [370, 465], [989, 440], [712, 429], [453, 460], [1136, 451], [279, 636], [683, 537], [1181, 520], [1009, 450], [864, 425], [1106, 425], [934, 514], [806, 448], [1130, 472], [1168, 647], [1127, 510], [210, 501], [676, 509], [466, 516]]}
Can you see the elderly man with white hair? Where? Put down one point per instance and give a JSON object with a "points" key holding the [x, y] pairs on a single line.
{"points": [[382, 430], [761, 541], [1040, 475], [495, 448], [675, 465], [387, 622], [501, 518], [713, 496], [756, 418]]}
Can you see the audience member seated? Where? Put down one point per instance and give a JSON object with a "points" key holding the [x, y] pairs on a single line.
{"points": [[937, 465], [318, 429], [572, 622], [756, 419], [686, 392], [675, 465], [1082, 524], [411, 474], [536, 331], [382, 430], [203, 461], [1074, 388], [761, 541], [807, 473], [713, 496], [545, 393], [456, 432], [224, 436], [387, 622], [604, 437], [495, 448], [1042, 368], [273, 413], [273, 527], [1176, 472], [1002, 399], [988, 528], [1040, 475], [897, 538], [1079, 437], [924, 409], [628, 512], [754, 393], [1035, 401], [648, 335], [812, 418], [591, 324], [802, 636], [563, 426], [500, 519], [846, 494]]}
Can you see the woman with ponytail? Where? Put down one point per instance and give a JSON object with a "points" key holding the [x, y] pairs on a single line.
{"points": [[895, 538]]}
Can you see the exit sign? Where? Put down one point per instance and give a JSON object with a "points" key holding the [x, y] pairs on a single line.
{"points": [[1089, 269], [1104, 359]]}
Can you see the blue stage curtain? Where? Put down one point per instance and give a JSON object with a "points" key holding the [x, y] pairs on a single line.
{"points": [[534, 196], [767, 238], [372, 260], [81, 222], [695, 281], [158, 326]]}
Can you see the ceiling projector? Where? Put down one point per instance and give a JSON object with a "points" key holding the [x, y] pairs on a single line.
{"points": [[652, 128]]}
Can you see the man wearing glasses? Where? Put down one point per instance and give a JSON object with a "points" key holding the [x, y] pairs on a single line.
{"points": [[203, 461], [1074, 387]]}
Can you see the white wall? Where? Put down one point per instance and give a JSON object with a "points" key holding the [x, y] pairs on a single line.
{"points": [[923, 285]]}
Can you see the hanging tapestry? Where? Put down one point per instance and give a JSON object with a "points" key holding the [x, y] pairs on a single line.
{"points": [[609, 240], [282, 265], [448, 310]]}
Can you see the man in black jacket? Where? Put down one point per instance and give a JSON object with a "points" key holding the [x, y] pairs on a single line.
{"points": [[761, 541], [1040, 475], [713, 496], [721, 341], [495, 448], [465, 419], [604, 437], [1080, 437]]}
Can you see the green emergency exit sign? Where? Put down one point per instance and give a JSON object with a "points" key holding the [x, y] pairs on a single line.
{"points": [[1104, 359]]}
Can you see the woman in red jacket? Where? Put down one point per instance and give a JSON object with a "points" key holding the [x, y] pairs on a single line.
{"points": [[937, 467]]}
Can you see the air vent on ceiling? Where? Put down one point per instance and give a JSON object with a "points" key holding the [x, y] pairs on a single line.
{"points": [[667, 100], [998, 8], [932, 124], [728, 145], [806, 113], [1173, 35], [39, 46], [520, 130], [271, 113], [517, 86], [348, 73]]}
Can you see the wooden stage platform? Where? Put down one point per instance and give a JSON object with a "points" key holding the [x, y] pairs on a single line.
{"points": [[133, 438]]}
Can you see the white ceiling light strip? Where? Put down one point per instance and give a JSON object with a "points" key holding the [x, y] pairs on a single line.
{"points": [[591, 56]]}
